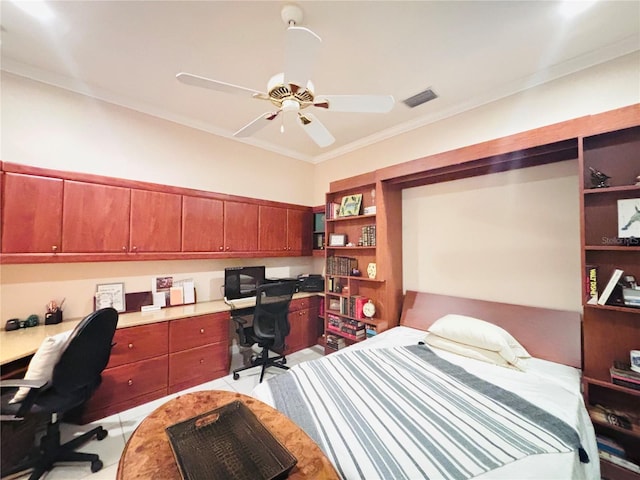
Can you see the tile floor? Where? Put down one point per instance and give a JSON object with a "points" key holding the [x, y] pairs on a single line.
{"points": [[122, 425]]}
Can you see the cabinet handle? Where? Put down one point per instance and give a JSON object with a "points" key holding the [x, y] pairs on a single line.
{"points": [[54, 248], [227, 248], [124, 248], [130, 382], [201, 361], [221, 248], [134, 248], [130, 345], [202, 330]]}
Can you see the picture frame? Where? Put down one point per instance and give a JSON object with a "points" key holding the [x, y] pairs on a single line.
{"points": [[350, 205], [337, 239], [110, 295], [629, 218]]}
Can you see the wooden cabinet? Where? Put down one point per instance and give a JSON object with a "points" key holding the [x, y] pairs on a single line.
{"points": [[318, 240], [155, 221], [136, 373], [611, 330], [240, 227], [284, 230], [31, 214], [52, 216], [95, 218], [353, 243], [198, 350], [202, 224], [303, 320], [150, 361]]}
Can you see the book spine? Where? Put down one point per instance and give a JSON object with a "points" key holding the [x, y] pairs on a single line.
{"points": [[592, 284], [625, 383], [613, 281]]}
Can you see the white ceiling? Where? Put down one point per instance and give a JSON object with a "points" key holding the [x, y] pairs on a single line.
{"points": [[469, 52]]}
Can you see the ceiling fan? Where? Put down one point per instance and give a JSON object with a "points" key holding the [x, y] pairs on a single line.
{"points": [[292, 90]]}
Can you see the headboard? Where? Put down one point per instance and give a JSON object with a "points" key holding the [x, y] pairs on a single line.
{"points": [[554, 335]]}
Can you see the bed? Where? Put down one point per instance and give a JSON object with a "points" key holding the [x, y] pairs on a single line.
{"points": [[398, 407]]}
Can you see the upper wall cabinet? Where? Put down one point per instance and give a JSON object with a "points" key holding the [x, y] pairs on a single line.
{"points": [[50, 216], [155, 221], [95, 218], [32, 214], [202, 224], [284, 230]]}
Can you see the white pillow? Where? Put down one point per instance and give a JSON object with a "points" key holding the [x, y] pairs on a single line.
{"points": [[43, 361], [481, 334], [469, 351]]}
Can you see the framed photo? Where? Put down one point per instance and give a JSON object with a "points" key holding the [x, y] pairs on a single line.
{"points": [[337, 239], [350, 205], [629, 218], [110, 295]]}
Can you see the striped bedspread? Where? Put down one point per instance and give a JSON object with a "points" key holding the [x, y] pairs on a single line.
{"points": [[405, 413]]}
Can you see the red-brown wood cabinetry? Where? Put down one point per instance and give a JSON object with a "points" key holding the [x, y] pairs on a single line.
{"points": [[95, 218], [31, 214], [202, 224], [303, 320], [285, 230], [240, 227], [155, 221]]}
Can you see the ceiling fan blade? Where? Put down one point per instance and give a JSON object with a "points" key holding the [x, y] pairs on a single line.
{"points": [[356, 103], [316, 130], [203, 82], [300, 54], [256, 125]]}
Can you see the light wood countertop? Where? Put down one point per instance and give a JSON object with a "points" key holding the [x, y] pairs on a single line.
{"points": [[25, 341]]}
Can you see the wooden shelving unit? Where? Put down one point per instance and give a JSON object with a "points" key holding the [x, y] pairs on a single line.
{"points": [[385, 289], [612, 330]]}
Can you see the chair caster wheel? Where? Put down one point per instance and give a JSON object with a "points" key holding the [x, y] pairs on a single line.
{"points": [[96, 465], [102, 434], [236, 376]]}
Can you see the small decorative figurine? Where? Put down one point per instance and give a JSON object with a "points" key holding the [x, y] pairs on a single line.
{"points": [[598, 178]]}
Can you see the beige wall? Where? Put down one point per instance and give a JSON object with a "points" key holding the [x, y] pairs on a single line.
{"points": [[53, 128]]}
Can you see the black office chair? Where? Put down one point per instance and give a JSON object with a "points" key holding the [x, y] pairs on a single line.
{"points": [[270, 326], [76, 376]]}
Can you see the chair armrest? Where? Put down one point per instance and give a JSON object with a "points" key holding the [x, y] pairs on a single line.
{"points": [[239, 320], [18, 382]]}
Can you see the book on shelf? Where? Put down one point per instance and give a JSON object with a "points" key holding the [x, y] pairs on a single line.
{"points": [[591, 283], [332, 210], [607, 444], [368, 236], [337, 265], [622, 375], [611, 285], [622, 462]]}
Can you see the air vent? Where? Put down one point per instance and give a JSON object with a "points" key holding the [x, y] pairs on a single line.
{"points": [[420, 98]]}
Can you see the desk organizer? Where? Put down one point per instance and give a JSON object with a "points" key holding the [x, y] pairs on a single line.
{"points": [[228, 443]]}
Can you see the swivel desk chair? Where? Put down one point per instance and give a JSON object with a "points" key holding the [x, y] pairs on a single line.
{"points": [[270, 326], [76, 375]]}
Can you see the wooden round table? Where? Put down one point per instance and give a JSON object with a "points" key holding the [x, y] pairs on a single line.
{"points": [[148, 454]]}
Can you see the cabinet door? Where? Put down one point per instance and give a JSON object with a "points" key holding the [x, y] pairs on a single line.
{"points": [[240, 227], [155, 221], [202, 224], [95, 218], [299, 231], [32, 214], [273, 229]]}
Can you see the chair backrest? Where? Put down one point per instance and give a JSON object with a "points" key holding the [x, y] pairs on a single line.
{"points": [[270, 318], [87, 353]]}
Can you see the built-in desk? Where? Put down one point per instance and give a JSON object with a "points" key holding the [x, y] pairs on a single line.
{"points": [[156, 353]]}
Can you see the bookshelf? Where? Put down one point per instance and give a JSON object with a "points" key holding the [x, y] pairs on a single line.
{"points": [[318, 231], [371, 238], [611, 330]]}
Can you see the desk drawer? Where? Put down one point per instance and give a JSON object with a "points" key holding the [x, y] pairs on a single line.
{"points": [[303, 303], [125, 382], [197, 331], [138, 343], [197, 365]]}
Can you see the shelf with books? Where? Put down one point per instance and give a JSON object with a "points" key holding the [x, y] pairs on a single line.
{"points": [[354, 252], [610, 163]]}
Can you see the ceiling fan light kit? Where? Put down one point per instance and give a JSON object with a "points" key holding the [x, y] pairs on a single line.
{"points": [[292, 90]]}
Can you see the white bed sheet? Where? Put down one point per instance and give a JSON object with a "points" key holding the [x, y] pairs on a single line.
{"points": [[565, 402]]}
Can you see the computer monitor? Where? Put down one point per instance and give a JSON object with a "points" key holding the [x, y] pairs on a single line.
{"points": [[242, 282]]}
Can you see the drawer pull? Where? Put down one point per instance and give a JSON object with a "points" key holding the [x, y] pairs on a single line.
{"points": [[201, 361], [130, 346], [202, 330], [130, 382]]}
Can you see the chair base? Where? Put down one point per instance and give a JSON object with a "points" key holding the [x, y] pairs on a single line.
{"points": [[265, 361], [51, 451]]}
